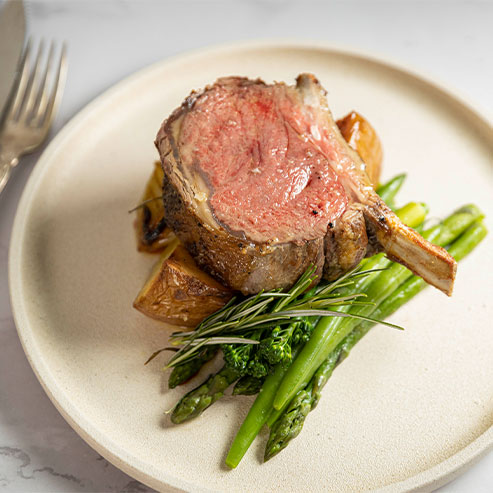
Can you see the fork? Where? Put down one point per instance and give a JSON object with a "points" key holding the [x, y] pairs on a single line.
{"points": [[31, 106]]}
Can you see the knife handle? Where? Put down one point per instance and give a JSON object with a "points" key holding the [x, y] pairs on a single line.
{"points": [[6, 165]]}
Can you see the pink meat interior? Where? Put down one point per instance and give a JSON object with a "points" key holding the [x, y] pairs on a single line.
{"points": [[253, 144]]}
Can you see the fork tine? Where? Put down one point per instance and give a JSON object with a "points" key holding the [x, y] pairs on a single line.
{"points": [[33, 86], [21, 81], [42, 99], [56, 93]]}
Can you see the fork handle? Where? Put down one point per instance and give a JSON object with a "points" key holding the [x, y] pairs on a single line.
{"points": [[7, 162]]}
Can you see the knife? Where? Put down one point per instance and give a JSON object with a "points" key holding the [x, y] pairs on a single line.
{"points": [[12, 31]]}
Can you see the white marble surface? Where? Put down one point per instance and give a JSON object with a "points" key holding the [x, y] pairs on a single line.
{"points": [[108, 40]]}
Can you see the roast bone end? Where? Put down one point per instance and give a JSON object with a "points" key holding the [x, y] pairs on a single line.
{"points": [[404, 245]]}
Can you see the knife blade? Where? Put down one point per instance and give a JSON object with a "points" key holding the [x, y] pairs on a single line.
{"points": [[12, 32]]}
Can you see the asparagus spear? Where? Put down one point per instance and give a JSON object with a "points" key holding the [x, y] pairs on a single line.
{"points": [[331, 331], [200, 398], [389, 190], [187, 370], [290, 423]]}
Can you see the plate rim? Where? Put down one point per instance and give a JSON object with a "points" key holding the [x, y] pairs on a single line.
{"points": [[426, 480]]}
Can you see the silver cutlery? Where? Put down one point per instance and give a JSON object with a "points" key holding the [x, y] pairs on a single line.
{"points": [[32, 105]]}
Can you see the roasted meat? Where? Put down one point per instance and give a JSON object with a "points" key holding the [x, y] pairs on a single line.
{"points": [[259, 183]]}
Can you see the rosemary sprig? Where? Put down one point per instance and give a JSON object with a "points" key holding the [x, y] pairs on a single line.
{"points": [[233, 323], [143, 203]]}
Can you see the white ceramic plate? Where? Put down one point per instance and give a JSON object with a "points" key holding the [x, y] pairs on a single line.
{"points": [[406, 410]]}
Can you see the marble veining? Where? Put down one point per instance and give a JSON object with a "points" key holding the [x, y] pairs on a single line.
{"points": [[24, 461]]}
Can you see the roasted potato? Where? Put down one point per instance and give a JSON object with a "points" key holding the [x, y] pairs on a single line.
{"points": [[361, 136], [152, 233], [178, 292]]}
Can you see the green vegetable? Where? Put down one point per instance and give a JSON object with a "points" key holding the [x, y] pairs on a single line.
{"points": [[389, 190], [274, 347], [238, 356], [277, 347], [248, 385], [200, 398], [331, 331], [187, 370], [290, 422]]}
